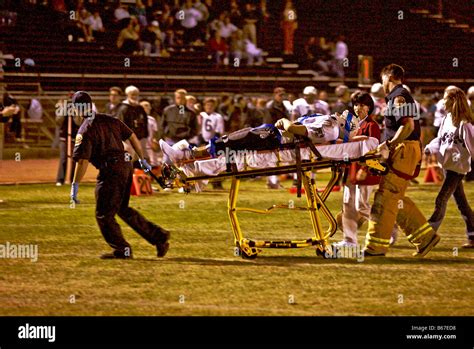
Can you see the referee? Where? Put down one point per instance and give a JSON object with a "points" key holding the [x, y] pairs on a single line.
{"points": [[99, 141]]}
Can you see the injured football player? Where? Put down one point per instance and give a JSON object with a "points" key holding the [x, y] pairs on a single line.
{"points": [[316, 128]]}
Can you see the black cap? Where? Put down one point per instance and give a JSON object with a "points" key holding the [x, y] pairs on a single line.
{"points": [[83, 103], [81, 97]]}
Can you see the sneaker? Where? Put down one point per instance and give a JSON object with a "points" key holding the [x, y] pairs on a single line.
{"points": [[173, 154], [428, 247], [468, 244], [163, 247], [116, 255], [344, 243], [58, 184]]}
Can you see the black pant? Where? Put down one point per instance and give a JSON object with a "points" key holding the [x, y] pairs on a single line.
{"points": [[112, 197], [452, 185]]}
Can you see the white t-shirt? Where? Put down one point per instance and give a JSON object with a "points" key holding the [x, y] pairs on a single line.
{"points": [[211, 124], [95, 23], [301, 107], [446, 136], [152, 129], [439, 114], [226, 30], [189, 17]]}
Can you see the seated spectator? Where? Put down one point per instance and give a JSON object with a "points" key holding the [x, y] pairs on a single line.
{"points": [[340, 55], [15, 125], [202, 24], [139, 11], [237, 47], [219, 49], [226, 29], [84, 22], [253, 53], [217, 23], [122, 16], [150, 41], [128, 39], [96, 25]]}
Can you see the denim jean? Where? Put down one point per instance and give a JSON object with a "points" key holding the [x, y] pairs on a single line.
{"points": [[452, 185]]}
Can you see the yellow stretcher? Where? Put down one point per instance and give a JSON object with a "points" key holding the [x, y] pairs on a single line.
{"points": [[248, 248]]}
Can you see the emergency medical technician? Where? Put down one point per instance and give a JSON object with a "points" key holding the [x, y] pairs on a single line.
{"points": [[402, 134], [99, 140]]}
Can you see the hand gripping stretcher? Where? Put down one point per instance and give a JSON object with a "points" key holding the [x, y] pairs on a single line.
{"points": [[302, 157]]}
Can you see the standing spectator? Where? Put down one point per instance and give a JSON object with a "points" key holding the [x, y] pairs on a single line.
{"points": [[178, 121], [35, 110], [340, 56], [238, 114], [343, 99], [378, 95], [212, 123], [134, 116], [289, 25], [115, 96], [309, 104], [15, 125], [219, 49], [202, 8], [152, 146], [250, 17], [441, 112], [262, 36], [63, 119], [235, 14], [259, 115], [457, 127], [189, 18], [276, 106]]}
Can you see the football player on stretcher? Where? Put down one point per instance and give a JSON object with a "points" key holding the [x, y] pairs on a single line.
{"points": [[264, 146]]}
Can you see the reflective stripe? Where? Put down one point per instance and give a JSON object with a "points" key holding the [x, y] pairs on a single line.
{"points": [[382, 241], [376, 241], [422, 231]]}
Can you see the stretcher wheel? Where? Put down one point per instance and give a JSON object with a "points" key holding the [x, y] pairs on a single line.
{"points": [[325, 252], [244, 255]]}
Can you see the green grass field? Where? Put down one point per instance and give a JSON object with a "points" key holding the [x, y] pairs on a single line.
{"points": [[201, 276]]}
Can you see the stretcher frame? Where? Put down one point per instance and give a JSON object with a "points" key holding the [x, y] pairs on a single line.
{"points": [[249, 248]]}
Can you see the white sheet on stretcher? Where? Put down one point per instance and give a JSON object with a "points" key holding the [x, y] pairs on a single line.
{"points": [[269, 159]]}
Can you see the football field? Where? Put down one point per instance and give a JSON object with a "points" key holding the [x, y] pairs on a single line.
{"points": [[200, 274]]}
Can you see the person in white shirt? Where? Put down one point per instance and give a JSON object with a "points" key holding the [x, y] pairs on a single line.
{"points": [[151, 148], [340, 55], [189, 18], [454, 149], [212, 123], [440, 112], [309, 104], [226, 29]]}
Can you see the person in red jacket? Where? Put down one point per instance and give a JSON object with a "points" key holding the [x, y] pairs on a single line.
{"points": [[219, 49], [359, 186]]}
